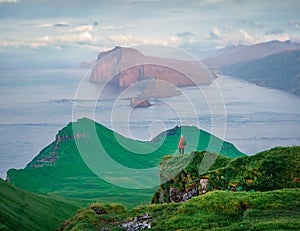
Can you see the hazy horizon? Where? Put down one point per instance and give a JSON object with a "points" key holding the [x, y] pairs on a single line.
{"points": [[56, 33]]}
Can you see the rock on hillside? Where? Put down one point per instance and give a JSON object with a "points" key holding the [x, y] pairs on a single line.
{"points": [[277, 168], [124, 67]]}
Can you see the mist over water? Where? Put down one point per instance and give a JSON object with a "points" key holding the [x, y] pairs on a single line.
{"points": [[35, 104]]}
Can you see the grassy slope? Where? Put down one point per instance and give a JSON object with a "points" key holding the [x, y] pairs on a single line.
{"points": [[71, 177], [219, 210], [21, 210], [269, 170], [276, 168]]}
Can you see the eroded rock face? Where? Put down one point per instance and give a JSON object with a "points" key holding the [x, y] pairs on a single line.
{"points": [[178, 196], [126, 66]]}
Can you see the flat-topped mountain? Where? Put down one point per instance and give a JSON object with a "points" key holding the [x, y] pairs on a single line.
{"points": [[81, 162], [126, 66]]}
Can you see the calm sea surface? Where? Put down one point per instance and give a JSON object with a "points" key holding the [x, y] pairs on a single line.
{"points": [[35, 104]]}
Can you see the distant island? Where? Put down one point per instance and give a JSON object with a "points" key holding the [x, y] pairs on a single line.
{"points": [[155, 77]]}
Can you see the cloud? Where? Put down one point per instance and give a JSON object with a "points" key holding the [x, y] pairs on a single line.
{"points": [[252, 23], [187, 37], [142, 1], [274, 32], [5, 43], [245, 36], [83, 28], [295, 24], [82, 37], [61, 24], [45, 25], [129, 40], [58, 24], [215, 34], [18, 44], [186, 34], [9, 1], [57, 42], [242, 36], [215, 1], [115, 27]]}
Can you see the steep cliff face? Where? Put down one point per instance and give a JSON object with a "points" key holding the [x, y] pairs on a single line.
{"points": [[126, 66]]}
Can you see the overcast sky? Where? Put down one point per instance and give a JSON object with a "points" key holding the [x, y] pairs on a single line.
{"points": [[64, 27]]}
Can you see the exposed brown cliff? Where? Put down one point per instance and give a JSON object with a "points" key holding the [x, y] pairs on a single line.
{"points": [[126, 66]]}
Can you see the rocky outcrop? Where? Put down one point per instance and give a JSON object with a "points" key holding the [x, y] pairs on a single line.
{"points": [[52, 156], [63, 138], [139, 103], [204, 184], [140, 222], [126, 66], [277, 168], [178, 196]]}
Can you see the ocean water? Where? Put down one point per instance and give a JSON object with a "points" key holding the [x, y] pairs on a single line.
{"points": [[35, 104]]}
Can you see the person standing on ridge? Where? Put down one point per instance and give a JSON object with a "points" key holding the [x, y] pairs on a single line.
{"points": [[182, 144]]}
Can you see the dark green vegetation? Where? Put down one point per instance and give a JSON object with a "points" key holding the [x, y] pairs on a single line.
{"points": [[21, 210], [59, 169], [281, 71], [218, 210], [277, 168]]}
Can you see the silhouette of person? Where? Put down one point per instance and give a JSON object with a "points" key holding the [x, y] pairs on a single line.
{"points": [[181, 144]]}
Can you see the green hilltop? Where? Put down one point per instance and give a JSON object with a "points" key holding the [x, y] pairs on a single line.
{"points": [[64, 167], [265, 196]]}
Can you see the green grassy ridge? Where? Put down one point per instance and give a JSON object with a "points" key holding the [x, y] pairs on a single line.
{"points": [[218, 210], [70, 176], [277, 168], [22, 210]]}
